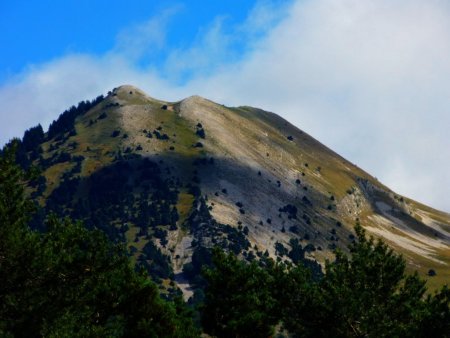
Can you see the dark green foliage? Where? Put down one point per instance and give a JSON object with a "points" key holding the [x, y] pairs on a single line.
{"points": [[66, 120], [297, 254], [77, 167], [14, 208], [29, 148], [156, 264], [33, 138], [201, 258], [291, 210], [40, 184], [201, 133], [206, 229], [77, 284], [22, 157], [62, 157], [310, 247], [160, 136], [359, 291], [162, 236], [294, 229], [62, 195], [297, 297], [70, 281], [306, 201], [112, 195], [237, 242], [307, 219], [57, 157], [238, 302], [435, 321], [368, 295], [280, 249]]}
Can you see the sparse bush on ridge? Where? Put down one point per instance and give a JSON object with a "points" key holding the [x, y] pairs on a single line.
{"points": [[66, 120]]}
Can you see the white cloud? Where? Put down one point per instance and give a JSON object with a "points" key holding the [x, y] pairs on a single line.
{"points": [[209, 51], [142, 40], [370, 79]]}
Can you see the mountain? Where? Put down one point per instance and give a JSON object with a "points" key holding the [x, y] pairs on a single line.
{"points": [[173, 179]]}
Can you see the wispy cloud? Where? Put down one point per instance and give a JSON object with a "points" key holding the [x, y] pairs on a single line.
{"points": [[145, 39], [370, 79]]}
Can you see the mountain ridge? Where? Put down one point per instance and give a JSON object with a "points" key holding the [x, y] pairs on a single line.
{"points": [[253, 171]]}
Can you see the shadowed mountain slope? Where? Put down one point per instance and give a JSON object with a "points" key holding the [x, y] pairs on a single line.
{"points": [[173, 178]]}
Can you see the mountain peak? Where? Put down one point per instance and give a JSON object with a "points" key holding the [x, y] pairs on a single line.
{"points": [[127, 89], [250, 170], [195, 98], [132, 94], [127, 92]]}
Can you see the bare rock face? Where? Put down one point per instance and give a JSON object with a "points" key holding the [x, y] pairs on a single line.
{"points": [[193, 174]]}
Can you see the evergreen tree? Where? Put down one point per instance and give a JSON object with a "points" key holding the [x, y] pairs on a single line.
{"points": [[238, 302], [32, 138], [364, 294], [298, 297], [367, 294]]}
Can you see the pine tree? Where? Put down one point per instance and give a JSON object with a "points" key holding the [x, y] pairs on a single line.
{"points": [[367, 294], [238, 302]]}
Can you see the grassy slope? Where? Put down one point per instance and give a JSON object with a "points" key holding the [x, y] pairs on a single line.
{"points": [[240, 139], [264, 132]]}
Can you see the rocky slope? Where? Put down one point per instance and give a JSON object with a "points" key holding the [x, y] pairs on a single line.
{"points": [[193, 174]]}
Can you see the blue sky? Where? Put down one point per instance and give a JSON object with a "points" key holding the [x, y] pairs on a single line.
{"points": [[370, 79], [38, 31]]}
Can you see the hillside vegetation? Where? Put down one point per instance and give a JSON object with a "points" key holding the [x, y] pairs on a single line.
{"points": [[170, 181], [68, 281]]}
